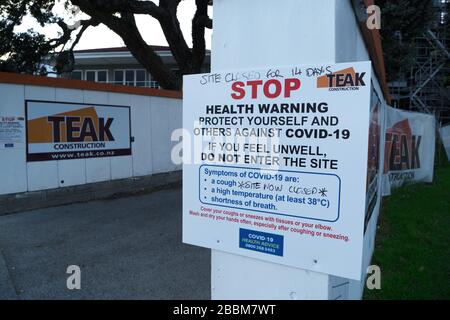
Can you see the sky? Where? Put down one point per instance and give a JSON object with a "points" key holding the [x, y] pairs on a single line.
{"points": [[102, 37]]}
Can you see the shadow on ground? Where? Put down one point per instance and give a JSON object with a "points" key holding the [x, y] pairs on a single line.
{"points": [[128, 248]]}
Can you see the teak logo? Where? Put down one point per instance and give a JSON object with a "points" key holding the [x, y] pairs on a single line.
{"points": [[346, 79], [402, 148], [64, 131], [83, 125]]}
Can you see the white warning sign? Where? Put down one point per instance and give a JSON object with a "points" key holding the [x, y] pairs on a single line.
{"points": [[276, 164]]}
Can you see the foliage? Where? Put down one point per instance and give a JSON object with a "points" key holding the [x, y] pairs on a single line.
{"points": [[24, 52]]}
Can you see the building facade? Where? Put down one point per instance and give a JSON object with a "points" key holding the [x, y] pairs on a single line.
{"points": [[118, 66]]}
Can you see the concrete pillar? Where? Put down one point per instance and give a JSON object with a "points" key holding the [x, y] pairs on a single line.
{"points": [[256, 34]]}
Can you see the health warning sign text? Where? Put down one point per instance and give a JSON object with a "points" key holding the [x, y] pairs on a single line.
{"points": [[313, 196]]}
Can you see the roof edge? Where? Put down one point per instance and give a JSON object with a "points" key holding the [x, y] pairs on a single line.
{"points": [[372, 39], [41, 81]]}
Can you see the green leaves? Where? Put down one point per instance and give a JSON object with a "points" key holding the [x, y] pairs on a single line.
{"points": [[23, 51]]}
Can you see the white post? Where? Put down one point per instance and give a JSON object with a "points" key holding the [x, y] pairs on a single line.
{"points": [[257, 34]]}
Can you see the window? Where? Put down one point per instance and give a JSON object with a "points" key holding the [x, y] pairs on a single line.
{"points": [[153, 84], [131, 77], [102, 76], [96, 75], [118, 76], [90, 75], [140, 78], [76, 75]]}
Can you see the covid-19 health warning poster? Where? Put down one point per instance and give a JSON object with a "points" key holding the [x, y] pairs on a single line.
{"points": [[276, 164]]}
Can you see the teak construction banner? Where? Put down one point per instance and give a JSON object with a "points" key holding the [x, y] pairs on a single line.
{"points": [[276, 164], [409, 148], [66, 131]]}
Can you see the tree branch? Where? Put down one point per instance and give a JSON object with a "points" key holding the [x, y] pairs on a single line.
{"points": [[198, 35], [128, 6], [172, 31], [126, 28], [208, 22], [188, 60], [84, 26]]}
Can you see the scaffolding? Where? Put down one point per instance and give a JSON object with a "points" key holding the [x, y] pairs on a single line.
{"points": [[425, 87]]}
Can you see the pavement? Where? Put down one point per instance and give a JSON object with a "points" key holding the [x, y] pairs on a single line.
{"points": [[127, 248]]}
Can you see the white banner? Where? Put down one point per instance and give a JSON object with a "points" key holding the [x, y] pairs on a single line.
{"points": [[445, 136], [409, 148]]}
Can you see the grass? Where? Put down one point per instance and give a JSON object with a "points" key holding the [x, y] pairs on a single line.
{"points": [[413, 241]]}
